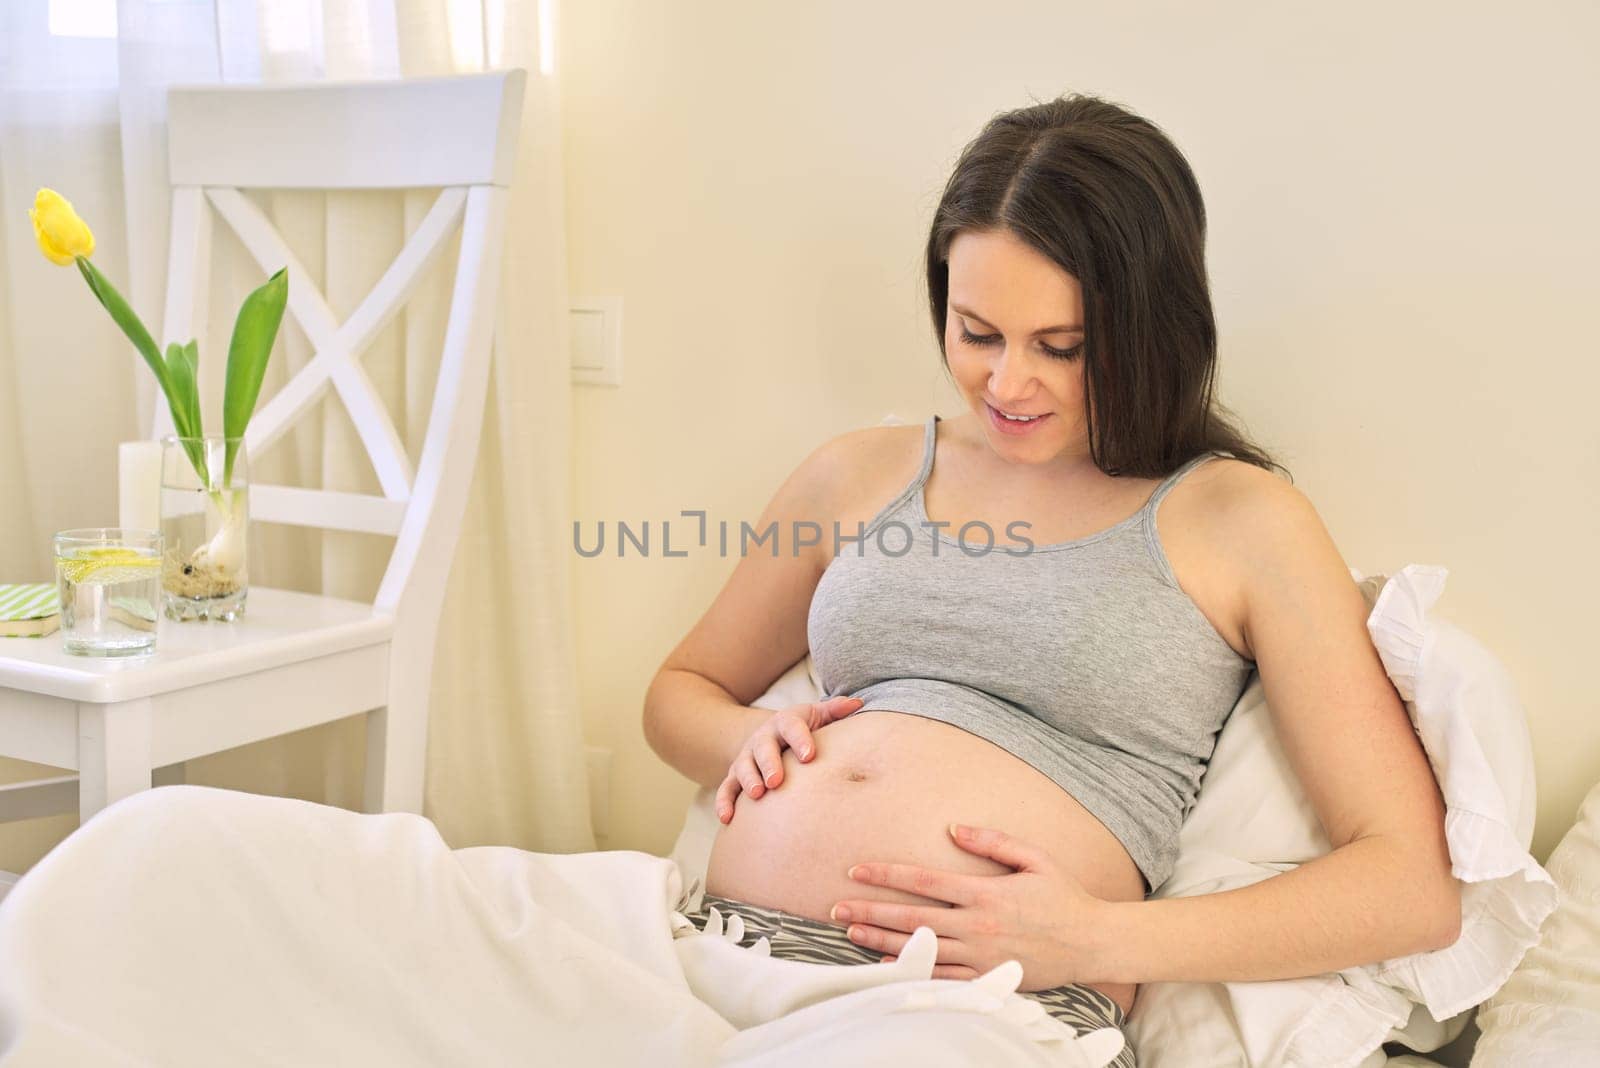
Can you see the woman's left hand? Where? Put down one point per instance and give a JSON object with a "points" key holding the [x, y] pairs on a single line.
{"points": [[1037, 914]]}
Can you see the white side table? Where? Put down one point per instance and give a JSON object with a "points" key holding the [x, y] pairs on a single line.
{"points": [[292, 661]]}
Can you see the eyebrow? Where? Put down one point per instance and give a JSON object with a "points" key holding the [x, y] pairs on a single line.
{"points": [[970, 314]]}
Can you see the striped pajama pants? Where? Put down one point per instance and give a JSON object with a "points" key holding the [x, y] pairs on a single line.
{"points": [[792, 937]]}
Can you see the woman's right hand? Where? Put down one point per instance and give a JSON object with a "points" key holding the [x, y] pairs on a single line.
{"points": [[759, 765]]}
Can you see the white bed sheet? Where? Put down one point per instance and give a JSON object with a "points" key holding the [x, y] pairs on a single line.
{"points": [[193, 926]]}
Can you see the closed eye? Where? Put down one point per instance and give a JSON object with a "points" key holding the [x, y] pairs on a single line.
{"points": [[994, 339]]}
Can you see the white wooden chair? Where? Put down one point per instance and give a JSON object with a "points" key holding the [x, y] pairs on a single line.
{"points": [[295, 660]]}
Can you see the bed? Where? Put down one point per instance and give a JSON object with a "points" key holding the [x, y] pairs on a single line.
{"points": [[190, 925]]}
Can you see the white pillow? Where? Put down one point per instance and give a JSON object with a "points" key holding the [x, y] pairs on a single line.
{"points": [[1548, 1012], [1252, 820]]}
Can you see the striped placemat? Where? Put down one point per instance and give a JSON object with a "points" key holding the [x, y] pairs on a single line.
{"points": [[28, 600]]}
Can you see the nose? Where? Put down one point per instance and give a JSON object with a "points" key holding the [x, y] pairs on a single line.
{"points": [[1011, 377]]}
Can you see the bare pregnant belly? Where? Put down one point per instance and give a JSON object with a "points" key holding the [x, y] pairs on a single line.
{"points": [[884, 786]]}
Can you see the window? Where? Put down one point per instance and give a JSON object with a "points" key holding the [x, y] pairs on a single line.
{"points": [[83, 18]]}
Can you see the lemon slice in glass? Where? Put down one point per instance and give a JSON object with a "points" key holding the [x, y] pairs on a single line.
{"points": [[104, 565]]}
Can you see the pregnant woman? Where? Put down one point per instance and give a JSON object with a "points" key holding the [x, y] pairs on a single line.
{"points": [[1031, 619]]}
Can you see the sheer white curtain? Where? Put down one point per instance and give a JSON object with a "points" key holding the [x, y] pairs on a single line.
{"points": [[86, 115]]}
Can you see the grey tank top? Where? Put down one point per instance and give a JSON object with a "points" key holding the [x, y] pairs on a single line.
{"points": [[1084, 658]]}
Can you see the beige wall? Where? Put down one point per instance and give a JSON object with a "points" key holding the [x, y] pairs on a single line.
{"points": [[1402, 203]]}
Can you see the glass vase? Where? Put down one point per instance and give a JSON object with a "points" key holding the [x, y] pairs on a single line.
{"points": [[205, 516]]}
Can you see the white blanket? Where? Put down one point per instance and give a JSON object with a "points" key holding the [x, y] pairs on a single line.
{"points": [[193, 926]]}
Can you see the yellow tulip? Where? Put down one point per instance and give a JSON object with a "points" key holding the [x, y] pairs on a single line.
{"points": [[60, 233]]}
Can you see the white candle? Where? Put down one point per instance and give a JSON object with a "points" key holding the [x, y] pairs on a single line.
{"points": [[139, 485]]}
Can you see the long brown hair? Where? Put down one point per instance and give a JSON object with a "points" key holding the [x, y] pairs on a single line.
{"points": [[1108, 196]]}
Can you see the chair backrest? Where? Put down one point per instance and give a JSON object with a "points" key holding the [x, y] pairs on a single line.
{"points": [[457, 133]]}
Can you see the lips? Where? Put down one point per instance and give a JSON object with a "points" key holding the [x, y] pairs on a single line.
{"points": [[1012, 426]]}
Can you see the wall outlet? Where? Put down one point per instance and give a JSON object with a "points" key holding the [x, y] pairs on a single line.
{"points": [[599, 791], [596, 335]]}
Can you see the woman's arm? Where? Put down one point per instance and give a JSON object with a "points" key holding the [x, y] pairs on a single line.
{"points": [[696, 711], [1386, 889], [696, 725], [1359, 904]]}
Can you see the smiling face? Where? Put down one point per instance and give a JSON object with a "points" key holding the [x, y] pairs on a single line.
{"points": [[1014, 342]]}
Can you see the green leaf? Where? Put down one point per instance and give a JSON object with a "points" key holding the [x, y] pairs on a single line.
{"points": [[253, 335], [123, 315], [183, 397], [183, 368], [180, 385], [177, 377]]}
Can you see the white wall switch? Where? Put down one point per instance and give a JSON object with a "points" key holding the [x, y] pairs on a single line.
{"points": [[596, 332]]}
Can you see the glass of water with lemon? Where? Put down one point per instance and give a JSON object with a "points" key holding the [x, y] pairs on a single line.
{"points": [[109, 580]]}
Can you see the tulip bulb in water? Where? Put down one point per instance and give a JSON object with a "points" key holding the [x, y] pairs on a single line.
{"points": [[215, 568], [225, 551]]}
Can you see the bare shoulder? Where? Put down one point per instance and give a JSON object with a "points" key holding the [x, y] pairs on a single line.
{"points": [[1215, 504], [1228, 486], [1251, 509], [1268, 538], [863, 468], [1215, 528]]}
